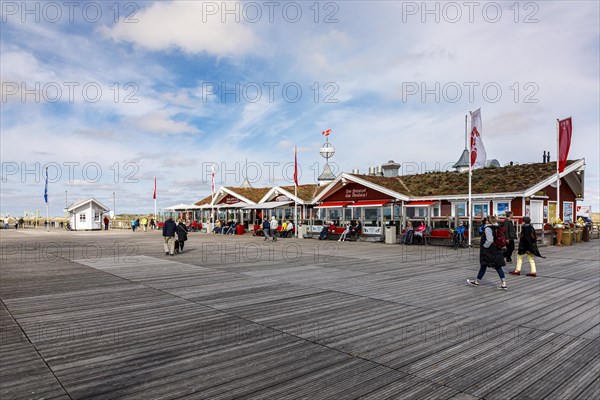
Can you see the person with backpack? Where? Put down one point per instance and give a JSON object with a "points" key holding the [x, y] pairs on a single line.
{"points": [[491, 253], [527, 247], [511, 234]]}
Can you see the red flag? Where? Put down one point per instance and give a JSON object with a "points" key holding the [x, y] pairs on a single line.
{"points": [[213, 178], [154, 195], [295, 168], [326, 133], [564, 142]]}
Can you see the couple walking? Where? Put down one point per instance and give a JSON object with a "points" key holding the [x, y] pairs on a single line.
{"points": [[170, 229], [493, 249]]}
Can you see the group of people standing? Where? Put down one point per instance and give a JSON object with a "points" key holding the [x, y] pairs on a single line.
{"points": [[269, 228], [137, 224], [498, 244]]}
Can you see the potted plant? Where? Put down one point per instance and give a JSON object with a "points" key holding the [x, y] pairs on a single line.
{"points": [[558, 229]]}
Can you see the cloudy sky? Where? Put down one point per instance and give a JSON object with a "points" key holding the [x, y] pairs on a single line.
{"points": [[108, 95]]}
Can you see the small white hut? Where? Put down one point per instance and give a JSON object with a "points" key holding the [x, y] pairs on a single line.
{"points": [[86, 215]]}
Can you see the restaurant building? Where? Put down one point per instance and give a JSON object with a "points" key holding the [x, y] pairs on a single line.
{"points": [[438, 199]]}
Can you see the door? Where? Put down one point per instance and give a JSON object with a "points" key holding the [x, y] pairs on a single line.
{"points": [[537, 213]]}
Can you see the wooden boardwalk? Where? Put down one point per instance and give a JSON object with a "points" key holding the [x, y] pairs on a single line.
{"points": [[106, 315]]}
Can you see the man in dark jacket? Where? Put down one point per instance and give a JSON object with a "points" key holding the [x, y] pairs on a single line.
{"points": [[511, 234], [169, 229]]}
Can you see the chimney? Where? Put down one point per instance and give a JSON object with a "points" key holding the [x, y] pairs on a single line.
{"points": [[390, 168], [544, 157], [355, 171], [548, 157]]}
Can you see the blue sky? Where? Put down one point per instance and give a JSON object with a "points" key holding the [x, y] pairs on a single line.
{"points": [[391, 79]]}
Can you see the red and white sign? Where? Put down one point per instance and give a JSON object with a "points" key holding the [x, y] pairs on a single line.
{"points": [[584, 211]]}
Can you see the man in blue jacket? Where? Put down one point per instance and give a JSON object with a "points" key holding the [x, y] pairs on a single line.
{"points": [[169, 229]]}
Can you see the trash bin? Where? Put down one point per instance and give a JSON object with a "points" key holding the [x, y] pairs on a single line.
{"points": [[303, 231], [585, 236], [390, 234], [567, 238], [240, 229]]}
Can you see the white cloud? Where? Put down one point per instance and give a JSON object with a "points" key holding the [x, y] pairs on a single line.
{"points": [[182, 25], [161, 122]]}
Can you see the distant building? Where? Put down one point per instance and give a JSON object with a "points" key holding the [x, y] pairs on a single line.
{"points": [[86, 215]]}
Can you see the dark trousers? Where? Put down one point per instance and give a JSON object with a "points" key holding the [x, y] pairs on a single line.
{"points": [[181, 243], [483, 268], [510, 247]]}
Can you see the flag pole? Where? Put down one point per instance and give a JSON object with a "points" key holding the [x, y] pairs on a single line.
{"points": [[295, 192], [470, 175], [212, 219], [47, 204], [557, 168]]}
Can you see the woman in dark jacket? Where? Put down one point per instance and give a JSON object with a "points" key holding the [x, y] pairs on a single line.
{"points": [[490, 255], [527, 246], [181, 235]]}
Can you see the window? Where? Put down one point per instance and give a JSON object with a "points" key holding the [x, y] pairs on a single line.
{"points": [[481, 209], [551, 211], [387, 213], [335, 214], [97, 216], [372, 216], [436, 211], [82, 217], [416, 212], [459, 209], [501, 207], [347, 214]]}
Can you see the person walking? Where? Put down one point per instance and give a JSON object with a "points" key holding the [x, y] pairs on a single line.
{"points": [[511, 234], [152, 224], [182, 232], [133, 222], [490, 255], [106, 221], [266, 227], [145, 223], [274, 224], [527, 247], [168, 232]]}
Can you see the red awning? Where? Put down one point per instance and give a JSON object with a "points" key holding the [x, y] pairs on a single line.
{"points": [[370, 203], [420, 203], [334, 204]]}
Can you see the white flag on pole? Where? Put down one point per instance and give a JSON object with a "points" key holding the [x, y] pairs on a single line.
{"points": [[478, 155]]}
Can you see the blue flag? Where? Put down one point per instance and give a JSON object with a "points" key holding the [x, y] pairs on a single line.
{"points": [[46, 188]]}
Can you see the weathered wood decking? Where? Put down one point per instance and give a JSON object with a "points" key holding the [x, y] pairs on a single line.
{"points": [[108, 315]]}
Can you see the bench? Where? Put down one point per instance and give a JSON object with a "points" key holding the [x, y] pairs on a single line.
{"points": [[440, 237], [335, 233]]}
